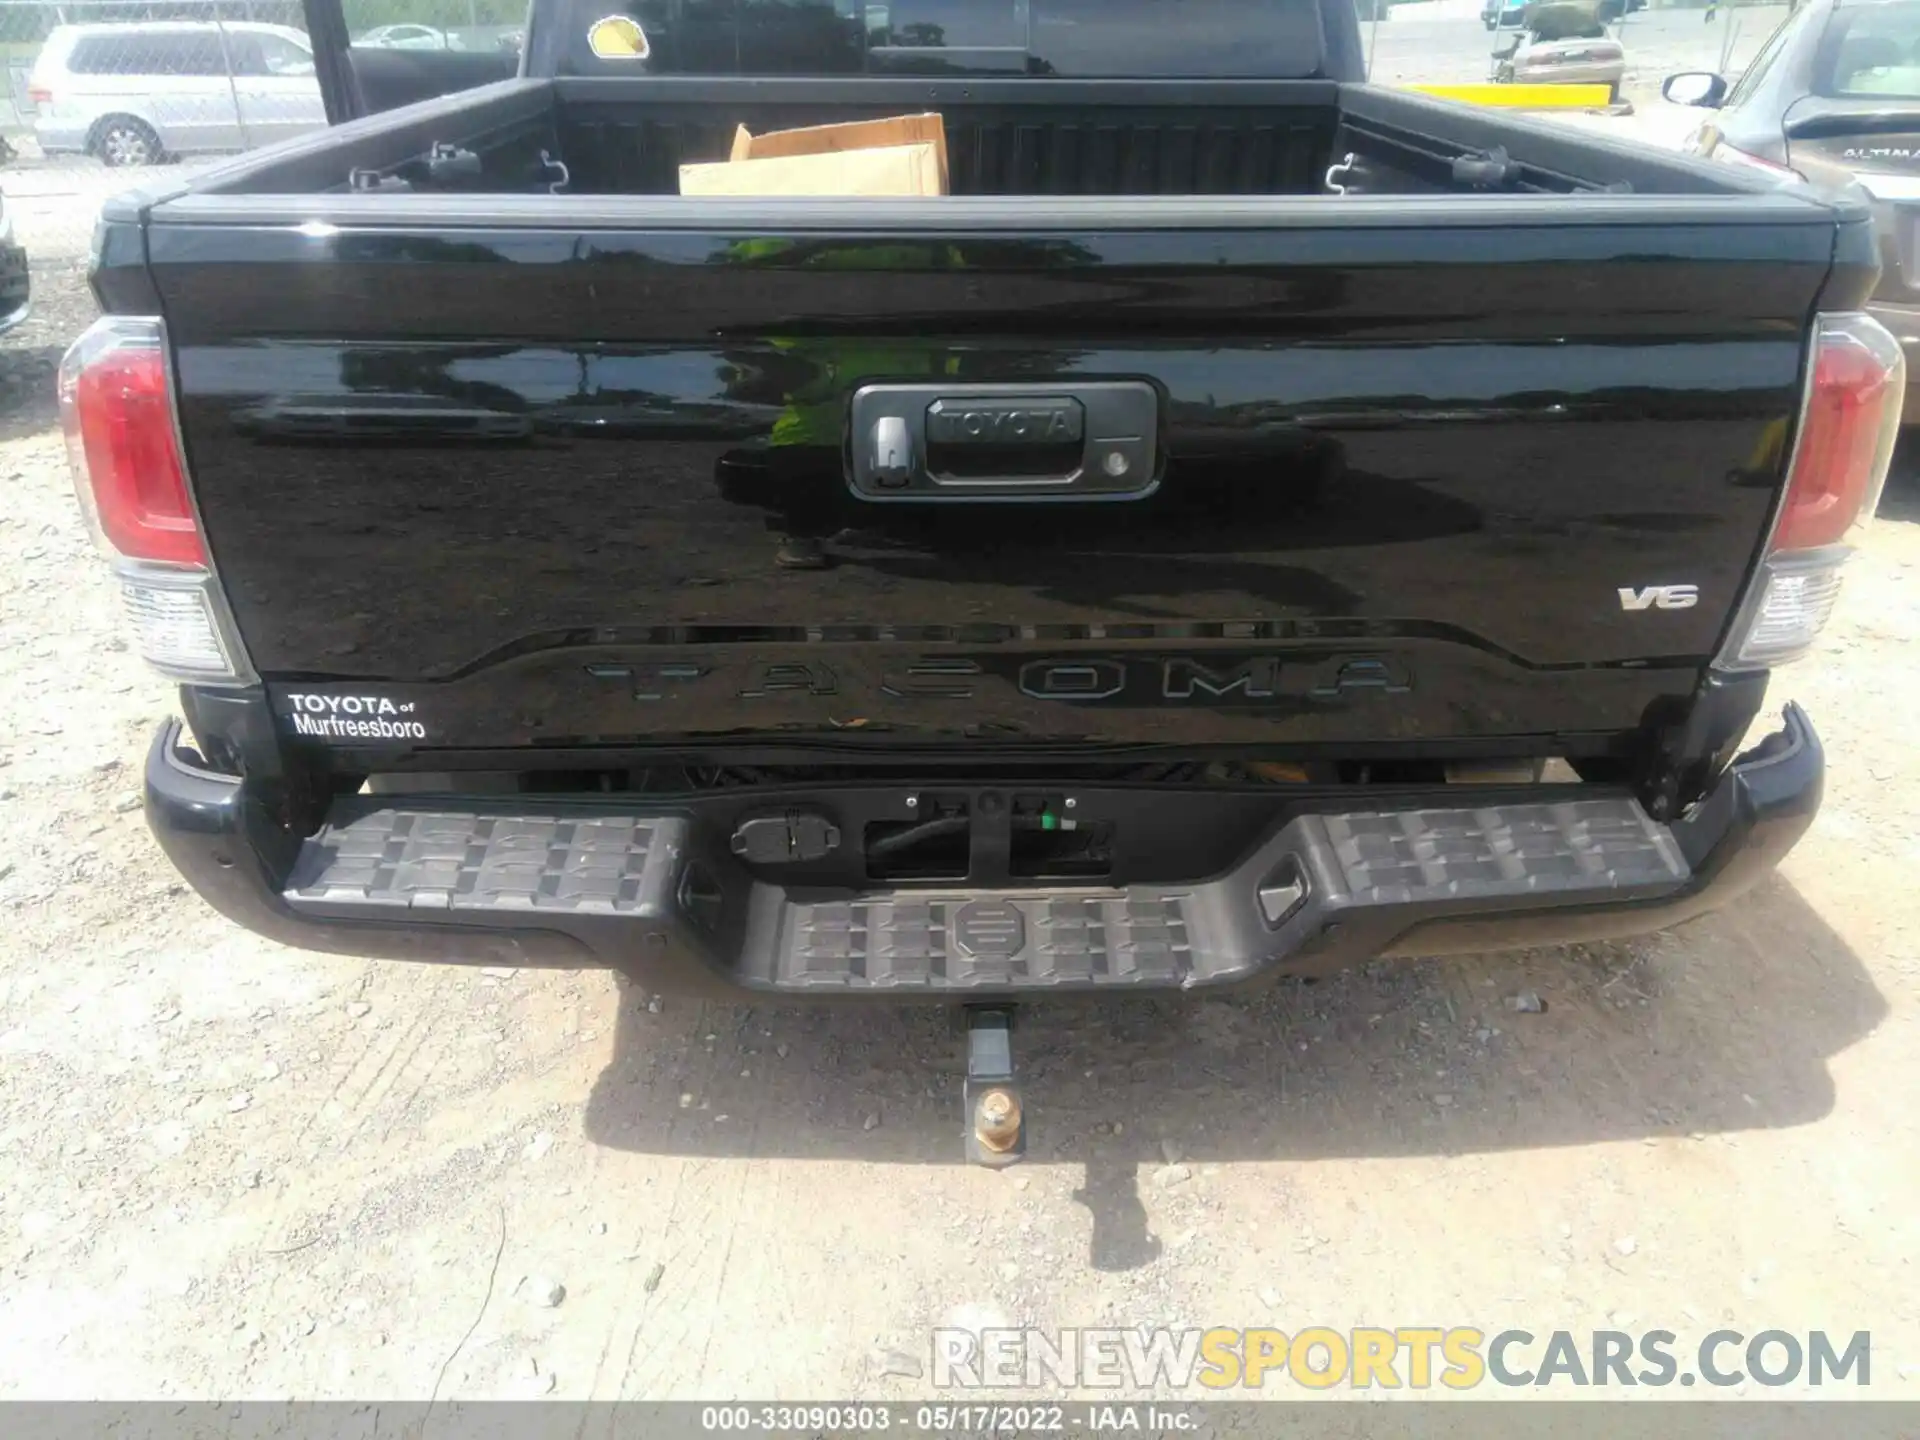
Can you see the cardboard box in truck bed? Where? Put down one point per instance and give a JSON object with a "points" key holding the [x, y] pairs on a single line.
{"points": [[903, 155]]}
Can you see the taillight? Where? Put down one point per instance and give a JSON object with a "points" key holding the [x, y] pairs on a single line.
{"points": [[116, 405], [39, 95], [1849, 421], [1847, 432]]}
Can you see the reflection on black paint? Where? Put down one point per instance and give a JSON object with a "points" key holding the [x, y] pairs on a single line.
{"points": [[1355, 450], [1256, 511]]}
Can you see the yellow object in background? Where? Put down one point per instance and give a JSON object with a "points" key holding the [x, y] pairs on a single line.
{"points": [[1521, 97], [618, 37]]}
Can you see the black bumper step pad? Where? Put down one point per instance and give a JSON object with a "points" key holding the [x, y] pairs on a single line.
{"points": [[964, 941], [585, 867], [583, 863]]}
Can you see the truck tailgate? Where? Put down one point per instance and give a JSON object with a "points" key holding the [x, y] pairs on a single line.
{"points": [[1419, 468]]}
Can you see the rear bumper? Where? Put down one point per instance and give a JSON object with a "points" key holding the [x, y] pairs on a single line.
{"points": [[588, 885], [61, 137], [1599, 72]]}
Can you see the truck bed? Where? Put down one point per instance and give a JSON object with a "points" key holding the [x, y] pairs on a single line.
{"points": [[1005, 138]]}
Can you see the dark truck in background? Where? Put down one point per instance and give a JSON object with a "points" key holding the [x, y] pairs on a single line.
{"points": [[1252, 524]]}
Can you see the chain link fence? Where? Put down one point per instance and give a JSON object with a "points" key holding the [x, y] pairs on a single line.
{"points": [[97, 90]]}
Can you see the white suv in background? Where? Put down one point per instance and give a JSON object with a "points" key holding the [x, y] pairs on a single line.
{"points": [[136, 93]]}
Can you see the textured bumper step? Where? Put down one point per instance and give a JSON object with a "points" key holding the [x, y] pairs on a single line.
{"points": [[392, 858], [616, 879], [1420, 856], [1368, 865], [1009, 940]]}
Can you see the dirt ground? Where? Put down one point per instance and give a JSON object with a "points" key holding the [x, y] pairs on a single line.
{"points": [[232, 1169]]}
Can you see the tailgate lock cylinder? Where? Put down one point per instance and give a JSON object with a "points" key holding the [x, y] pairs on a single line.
{"points": [[892, 452]]}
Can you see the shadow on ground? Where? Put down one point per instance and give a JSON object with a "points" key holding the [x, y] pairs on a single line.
{"points": [[1727, 1024], [28, 375], [30, 354], [1901, 499]]}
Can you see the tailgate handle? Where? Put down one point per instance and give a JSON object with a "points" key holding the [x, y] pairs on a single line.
{"points": [[1096, 440]]}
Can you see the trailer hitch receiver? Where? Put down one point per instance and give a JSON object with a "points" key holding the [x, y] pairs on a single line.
{"points": [[996, 1116]]}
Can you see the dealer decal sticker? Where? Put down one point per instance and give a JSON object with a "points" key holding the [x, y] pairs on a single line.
{"points": [[353, 717]]}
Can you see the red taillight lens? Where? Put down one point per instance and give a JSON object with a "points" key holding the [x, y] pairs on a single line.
{"points": [[1851, 421], [117, 406], [39, 95], [1848, 424]]}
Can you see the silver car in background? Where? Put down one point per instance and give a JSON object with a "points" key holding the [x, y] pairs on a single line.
{"points": [[408, 37], [1833, 97], [1592, 60], [138, 93]]}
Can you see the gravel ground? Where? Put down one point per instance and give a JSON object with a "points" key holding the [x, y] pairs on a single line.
{"points": [[232, 1169]]}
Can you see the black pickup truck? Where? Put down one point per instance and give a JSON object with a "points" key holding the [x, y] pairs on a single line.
{"points": [[1257, 521]]}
